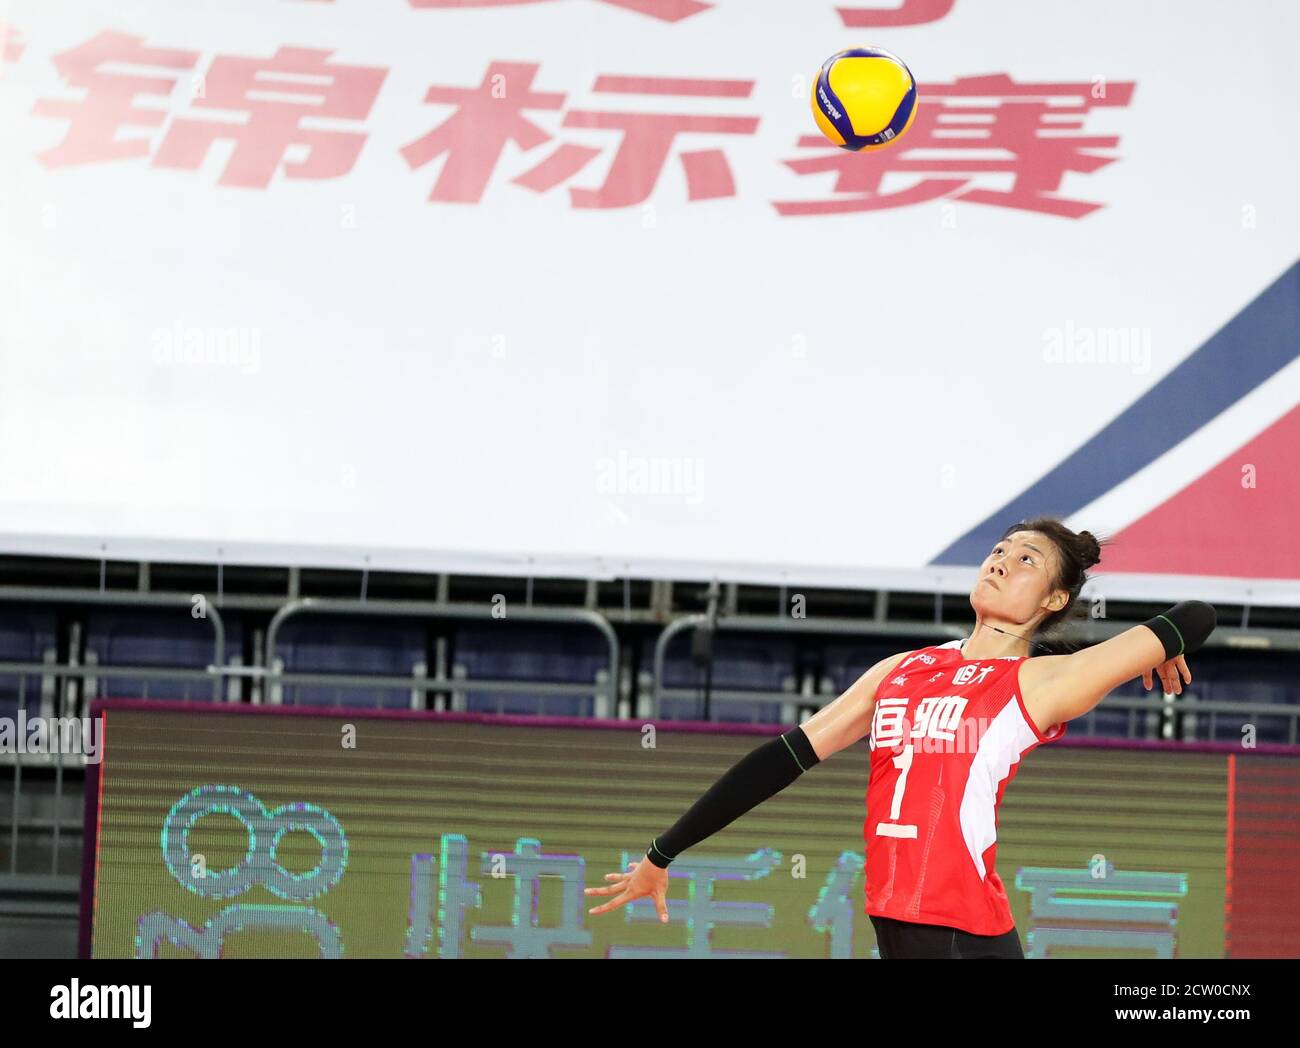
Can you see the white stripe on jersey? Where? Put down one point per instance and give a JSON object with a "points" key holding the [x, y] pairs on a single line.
{"points": [[1002, 745]]}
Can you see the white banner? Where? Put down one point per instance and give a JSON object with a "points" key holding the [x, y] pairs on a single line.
{"points": [[574, 287]]}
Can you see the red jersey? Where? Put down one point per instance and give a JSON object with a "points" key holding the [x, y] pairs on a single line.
{"points": [[947, 736]]}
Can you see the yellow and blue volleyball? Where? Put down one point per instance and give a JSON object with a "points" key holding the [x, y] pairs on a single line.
{"points": [[864, 98]]}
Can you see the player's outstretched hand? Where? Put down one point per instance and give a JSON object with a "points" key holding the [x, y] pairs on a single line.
{"points": [[643, 878], [1169, 673]]}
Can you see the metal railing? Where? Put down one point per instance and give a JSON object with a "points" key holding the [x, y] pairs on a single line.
{"points": [[605, 693], [132, 601], [758, 624]]}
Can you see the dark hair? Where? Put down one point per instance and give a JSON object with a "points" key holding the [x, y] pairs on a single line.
{"points": [[1077, 553]]}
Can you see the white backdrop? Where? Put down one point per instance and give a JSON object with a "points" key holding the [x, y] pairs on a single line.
{"points": [[673, 388]]}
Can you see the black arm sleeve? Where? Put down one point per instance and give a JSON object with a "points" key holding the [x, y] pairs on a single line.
{"points": [[1184, 627], [761, 774]]}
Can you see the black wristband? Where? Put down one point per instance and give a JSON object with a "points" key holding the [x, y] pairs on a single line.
{"points": [[759, 775], [1184, 627]]}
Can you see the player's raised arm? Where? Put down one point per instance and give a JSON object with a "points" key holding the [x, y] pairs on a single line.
{"points": [[1068, 686], [761, 774], [843, 722]]}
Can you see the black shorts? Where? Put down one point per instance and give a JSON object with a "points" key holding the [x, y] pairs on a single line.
{"points": [[904, 939]]}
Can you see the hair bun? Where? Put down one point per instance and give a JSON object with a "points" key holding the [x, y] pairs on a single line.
{"points": [[1091, 549]]}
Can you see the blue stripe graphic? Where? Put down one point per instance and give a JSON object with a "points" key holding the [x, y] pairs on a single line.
{"points": [[1252, 347]]}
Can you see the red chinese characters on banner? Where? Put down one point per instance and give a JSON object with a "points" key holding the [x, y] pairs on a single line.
{"points": [[491, 115], [313, 86], [912, 12], [647, 140], [317, 89], [475, 136], [109, 104], [982, 139], [11, 45], [1035, 124], [664, 10]]}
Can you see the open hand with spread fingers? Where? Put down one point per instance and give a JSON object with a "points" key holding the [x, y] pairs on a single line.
{"points": [[643, 878]]}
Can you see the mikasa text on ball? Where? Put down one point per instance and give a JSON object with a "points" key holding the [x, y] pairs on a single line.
{"points": [[864, 98]]}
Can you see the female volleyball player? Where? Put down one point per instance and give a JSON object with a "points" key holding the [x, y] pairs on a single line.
{"points": [[949, 725]]}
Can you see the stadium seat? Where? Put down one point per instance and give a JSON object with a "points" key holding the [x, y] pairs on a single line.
{"points": [[27, 637], [1249, 678], [554, 655], [845, 662], [155, 638], [739, 664], [314, 644]]}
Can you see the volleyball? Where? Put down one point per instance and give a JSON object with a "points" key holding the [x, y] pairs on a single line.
{"points": [[864, 99]]}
